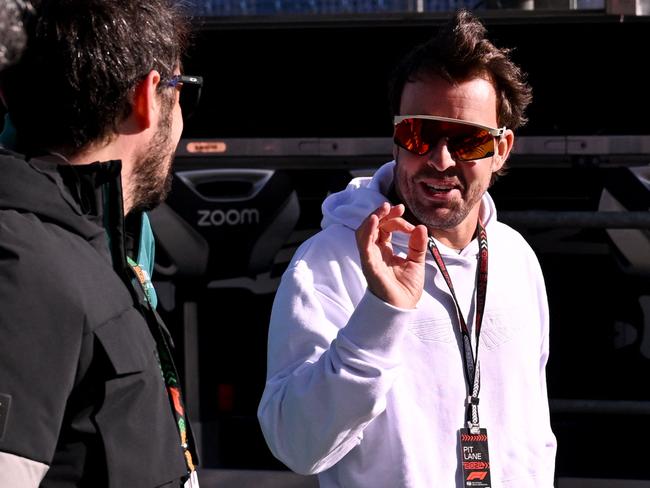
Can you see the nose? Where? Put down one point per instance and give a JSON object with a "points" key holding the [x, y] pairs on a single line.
{"points": [[439, 157]]}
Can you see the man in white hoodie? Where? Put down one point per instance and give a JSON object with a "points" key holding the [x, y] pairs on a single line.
{"points": [[394, 321]]}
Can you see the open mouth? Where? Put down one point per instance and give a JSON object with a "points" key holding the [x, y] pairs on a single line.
{"points": [[439, 188]]}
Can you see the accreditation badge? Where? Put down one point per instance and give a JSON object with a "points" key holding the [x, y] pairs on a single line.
{"points": [[475, 459], [192, 481]]}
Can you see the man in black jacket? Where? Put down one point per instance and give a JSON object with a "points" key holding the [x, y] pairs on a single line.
{"points": [[89, 396]]}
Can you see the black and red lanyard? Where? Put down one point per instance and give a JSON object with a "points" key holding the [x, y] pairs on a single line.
{"points": [[470, 360]]}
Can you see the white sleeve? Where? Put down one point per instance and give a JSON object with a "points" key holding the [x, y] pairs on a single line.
{"points": [[550, 441], [329, 370], [20, 472]]}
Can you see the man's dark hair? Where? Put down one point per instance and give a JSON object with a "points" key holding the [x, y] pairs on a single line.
{"points": [[75, 81], [459, 52], [12, 31]]}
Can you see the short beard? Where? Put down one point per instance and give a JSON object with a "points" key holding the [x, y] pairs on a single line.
{"points": [[455, 215], [152, 175], [418, 213]]}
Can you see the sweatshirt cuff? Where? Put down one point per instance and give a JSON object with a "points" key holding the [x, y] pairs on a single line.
{"points": [[376, 326]]}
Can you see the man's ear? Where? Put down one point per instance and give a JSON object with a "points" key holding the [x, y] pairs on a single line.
{"points": [[504, 146], [145, 100]]}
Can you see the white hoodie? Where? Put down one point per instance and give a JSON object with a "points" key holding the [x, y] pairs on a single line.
{"points": [[369, 395]]}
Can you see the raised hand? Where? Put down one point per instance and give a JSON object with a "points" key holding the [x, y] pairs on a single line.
{"points": [[396, 280]]}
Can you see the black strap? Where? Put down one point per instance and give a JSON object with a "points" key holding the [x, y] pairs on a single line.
{"points": [[470, 363], [164, 345]]}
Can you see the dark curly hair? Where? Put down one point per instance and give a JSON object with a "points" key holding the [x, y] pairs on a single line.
{"points": [[74, 82], [12, 32], [460, 51]]}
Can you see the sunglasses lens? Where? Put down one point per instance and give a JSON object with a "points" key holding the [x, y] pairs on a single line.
{"points": [[189, 98], [409, 135], [465, 142], [478, 145]]}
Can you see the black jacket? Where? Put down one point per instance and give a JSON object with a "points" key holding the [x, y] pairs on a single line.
{"points": [[78, 360]]}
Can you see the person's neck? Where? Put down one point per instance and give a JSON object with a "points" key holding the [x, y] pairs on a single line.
{"points": [[459, 237]]}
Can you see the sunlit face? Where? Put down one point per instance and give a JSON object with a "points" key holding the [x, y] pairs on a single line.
{"points": [[438, 191], [152, 169]]}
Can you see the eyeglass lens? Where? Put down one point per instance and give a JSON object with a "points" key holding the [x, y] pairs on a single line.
{"points": [[464, 142], [189, 98]]}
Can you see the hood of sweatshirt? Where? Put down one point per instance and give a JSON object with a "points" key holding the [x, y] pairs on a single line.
{"points": [[364, 194], [43, 188]]}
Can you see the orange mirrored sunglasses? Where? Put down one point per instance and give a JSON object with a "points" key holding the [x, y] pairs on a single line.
{"points": [[466, 141]]}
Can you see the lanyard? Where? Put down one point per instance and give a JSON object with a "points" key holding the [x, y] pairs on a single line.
{"points": [[169, 373], [470, 361]]}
